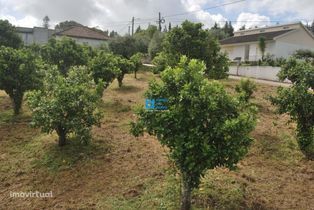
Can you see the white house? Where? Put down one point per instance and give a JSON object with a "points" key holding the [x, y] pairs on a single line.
{"points": [[83, 35], [281, 41]]}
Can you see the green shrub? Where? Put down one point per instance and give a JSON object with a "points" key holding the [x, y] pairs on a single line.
{"points": [[246, 89]]}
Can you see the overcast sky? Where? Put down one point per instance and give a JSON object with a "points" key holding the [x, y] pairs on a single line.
{"points": [[116, 14]]}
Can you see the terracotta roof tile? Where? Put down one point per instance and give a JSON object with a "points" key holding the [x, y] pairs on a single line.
{"points": [[83, 32]]}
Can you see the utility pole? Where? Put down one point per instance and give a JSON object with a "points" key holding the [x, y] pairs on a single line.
{"points": [[133, 25], [129, 30], [159, 21]]}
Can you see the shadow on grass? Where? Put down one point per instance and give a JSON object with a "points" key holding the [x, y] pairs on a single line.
{"points": [[127, 89], [56, 158]]}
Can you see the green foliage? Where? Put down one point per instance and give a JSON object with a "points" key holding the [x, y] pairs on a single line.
{"points": [[298, 101], [104, 67], [8, 35], [204, 127], [246, 89], [307, 55], [262, 45], [125, 66], [194, 42], [126, 46], [64, 53], [67, 105], [19, 72], [162, 61], [66, 25], [155, 45], [137, 62]]}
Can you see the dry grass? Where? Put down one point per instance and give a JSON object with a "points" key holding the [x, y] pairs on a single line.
{"points": [[119, 171]]}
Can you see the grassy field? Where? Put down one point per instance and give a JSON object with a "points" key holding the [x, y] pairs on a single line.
{"points": [[119, 171]]}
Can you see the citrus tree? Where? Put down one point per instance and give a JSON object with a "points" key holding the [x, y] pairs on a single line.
{"points": [[8, 35], [203, 126], [64, 53], [298, 101], [104, 67], [67, 105], [125, 66], [137, 62], [19, 72]]}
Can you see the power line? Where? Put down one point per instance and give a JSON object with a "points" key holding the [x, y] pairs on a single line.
{"points": [[205, 9], [174, 15]]}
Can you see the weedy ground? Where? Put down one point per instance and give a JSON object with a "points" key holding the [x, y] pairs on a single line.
{"points": [[119, 171]]}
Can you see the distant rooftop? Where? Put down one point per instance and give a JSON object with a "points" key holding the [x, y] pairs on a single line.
{"points": [[82, 32], [253, 37]]}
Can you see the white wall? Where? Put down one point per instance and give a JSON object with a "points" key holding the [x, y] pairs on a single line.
{"points": [[90, 42], [255, 54], [257, 72], [287, 45]]}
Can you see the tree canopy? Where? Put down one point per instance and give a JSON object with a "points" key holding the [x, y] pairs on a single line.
{"points": [[194, 42], [64, 53], [19, 72], [8, 35], [66, 104]]}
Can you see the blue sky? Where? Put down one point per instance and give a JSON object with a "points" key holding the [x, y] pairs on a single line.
{"points": [[109, 14]]}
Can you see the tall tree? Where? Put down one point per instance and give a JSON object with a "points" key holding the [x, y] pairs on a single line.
{"points": [[169, 26], [262, 45], [19, 72], [203, 127], [46, 20], [8, 35], [138, 29]]}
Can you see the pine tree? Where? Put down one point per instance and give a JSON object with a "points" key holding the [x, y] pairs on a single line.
{"points": [[46, 22]]}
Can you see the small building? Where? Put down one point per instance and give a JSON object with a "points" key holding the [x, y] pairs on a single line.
{"points": [[281, 41], [36, 35], [83, 35]]}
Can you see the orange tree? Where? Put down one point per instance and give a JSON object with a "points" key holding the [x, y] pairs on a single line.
{"points": [[203, 126]]}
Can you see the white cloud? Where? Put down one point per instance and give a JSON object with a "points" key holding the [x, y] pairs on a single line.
{"points": [[251, 20], [203, 16], [27, 21]]}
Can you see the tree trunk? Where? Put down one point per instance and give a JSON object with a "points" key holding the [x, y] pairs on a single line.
{"points": [[17, 99], [135, 75], [185, 193], [62, 136]]}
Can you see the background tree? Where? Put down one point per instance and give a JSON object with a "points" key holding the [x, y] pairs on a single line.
{"points": [[203, 127], [66, 104], [262, 45], [64, 53], [155, 45], [8, 35], [242, 28], [298, 101], [136, 59], [19, 72], [194, 42], [124, 46], [66, 25], [46, 22]]}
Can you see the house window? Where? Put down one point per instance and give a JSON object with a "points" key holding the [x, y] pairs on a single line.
{"points": [[247, 52]]}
